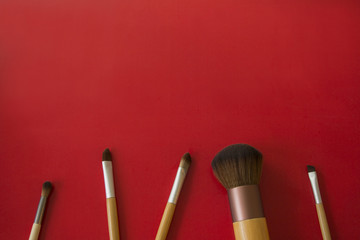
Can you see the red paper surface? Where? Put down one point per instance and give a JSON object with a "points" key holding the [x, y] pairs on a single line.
{"points": [[154, 79]]}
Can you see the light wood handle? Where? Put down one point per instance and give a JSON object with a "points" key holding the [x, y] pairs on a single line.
{"points": [[112, 219], [165, 221], [323, 222], [35, 230], [251, 229]]}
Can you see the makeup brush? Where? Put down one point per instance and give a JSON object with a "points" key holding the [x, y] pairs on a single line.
{"points": [[110, 196], [35, 230], [174, 195], [238, 168], [319, 205]]}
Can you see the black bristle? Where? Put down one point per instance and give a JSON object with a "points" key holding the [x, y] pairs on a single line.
{"points": [[238, 165], [310, 168], [106, 155], [185, 161], [46, 188]]}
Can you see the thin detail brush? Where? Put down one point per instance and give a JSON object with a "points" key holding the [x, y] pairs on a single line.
{"points": [[174, 195], [110, 196], [319, 205], [45, 192], [238, 168]]}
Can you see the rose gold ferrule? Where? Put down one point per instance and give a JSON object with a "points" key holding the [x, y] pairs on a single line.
{"points": [[245, 202]]}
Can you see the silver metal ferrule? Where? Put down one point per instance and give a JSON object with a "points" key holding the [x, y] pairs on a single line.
{"points": [[179, 180], [40, 210], [315, 187], [108, 179]]}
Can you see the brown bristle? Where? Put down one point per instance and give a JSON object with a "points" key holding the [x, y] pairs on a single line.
{"points": [[185, 161], [237, 165], [310, 168], [46, 189], [106, 155]]}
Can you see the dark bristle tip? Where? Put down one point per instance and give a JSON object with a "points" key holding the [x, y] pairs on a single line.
{"points": [[187, 157], [237, 165], [185, 161], [310, 168], [106, 155], [46, 188]]}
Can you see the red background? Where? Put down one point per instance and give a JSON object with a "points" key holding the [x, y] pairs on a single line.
{"points": [[154, 79]]}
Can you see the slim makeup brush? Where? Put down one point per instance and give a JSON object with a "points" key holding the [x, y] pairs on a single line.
{"points": [[110, 196], [35, 230], [174, 195], [319, 205], [238, 168]]}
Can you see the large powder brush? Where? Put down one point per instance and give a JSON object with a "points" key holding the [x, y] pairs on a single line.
{"points": [[238, 168]]}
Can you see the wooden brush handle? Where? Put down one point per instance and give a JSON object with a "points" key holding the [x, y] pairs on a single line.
{"points": [[112, 219], [251, 229], [165, 221], [323, 222], [35, 230]]}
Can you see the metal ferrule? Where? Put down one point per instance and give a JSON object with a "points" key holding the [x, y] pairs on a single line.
{"points": [[245, 203], [108, 179], [315, 187], [179, 180], [40, 210]]}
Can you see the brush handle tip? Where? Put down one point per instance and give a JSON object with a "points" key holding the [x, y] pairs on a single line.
{"points": [[113, 222], [165, 221], [251, 229], [35, 230], [323, 221]]}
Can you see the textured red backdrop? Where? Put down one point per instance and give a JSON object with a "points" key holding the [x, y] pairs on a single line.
{"points": [[154, 79]]}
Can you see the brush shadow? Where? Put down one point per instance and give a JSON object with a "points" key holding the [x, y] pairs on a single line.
{"points": [[178, 221], [119, 192], [327, 207], [48, 211]]}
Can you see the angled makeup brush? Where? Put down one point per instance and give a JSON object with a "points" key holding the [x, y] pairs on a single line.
{"points": [[110, 196], [238, 168], [35, 230], [174, 195], [319, 205]]}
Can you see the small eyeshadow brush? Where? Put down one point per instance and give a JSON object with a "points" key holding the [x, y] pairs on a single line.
{"points": [[110, 196], [35, 230], [319, 205], [174, 195]]}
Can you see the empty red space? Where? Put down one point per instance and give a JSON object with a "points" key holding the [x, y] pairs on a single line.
{"points": [[152, 80]]}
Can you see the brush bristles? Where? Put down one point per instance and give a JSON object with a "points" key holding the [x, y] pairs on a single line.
{"points": [[310, 168], [237, 165], [46, 189], [106, 155], [185, 161]]}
